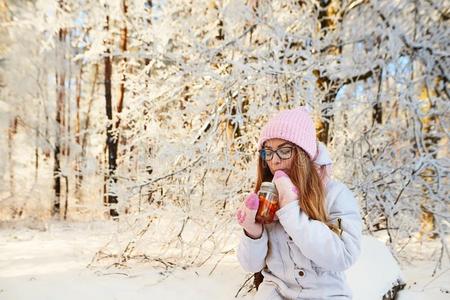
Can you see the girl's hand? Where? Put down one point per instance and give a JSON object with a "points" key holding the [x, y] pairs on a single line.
{"points": [[246, 216], [287, 192]]}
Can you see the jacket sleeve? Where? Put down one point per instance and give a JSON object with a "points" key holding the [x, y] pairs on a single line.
{"points": [[317, 241], [252, 253]]}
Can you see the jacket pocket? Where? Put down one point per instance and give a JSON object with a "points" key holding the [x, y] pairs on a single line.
{"points": [[304, 273], [300, 261]]}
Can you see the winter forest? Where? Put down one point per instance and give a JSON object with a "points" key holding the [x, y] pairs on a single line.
{"points": [[129, 133]]}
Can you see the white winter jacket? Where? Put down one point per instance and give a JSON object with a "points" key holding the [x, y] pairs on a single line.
{"points": [[302, 258]]}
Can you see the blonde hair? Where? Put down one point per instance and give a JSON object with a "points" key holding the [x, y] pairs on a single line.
{"points": [[306, 179]]}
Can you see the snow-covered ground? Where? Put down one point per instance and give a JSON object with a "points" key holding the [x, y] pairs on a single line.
{"points": [[50, 263]]}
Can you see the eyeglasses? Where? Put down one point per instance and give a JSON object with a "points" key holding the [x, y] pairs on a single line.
{"points": [[282, 153]]}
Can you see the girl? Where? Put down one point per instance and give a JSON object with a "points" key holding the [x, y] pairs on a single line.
{"points": [[317, 231]]}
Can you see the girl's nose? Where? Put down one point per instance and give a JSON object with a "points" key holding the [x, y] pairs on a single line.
{"points": [[276, 159]]}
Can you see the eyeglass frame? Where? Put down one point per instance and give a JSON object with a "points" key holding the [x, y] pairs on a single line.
{"points": [[263, 150]]}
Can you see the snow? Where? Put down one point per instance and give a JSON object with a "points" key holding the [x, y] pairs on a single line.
{"points": [[50, 262], [378, 267]]}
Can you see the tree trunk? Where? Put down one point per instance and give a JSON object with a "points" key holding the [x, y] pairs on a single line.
{"points": [[431, 140], [11, 132], [86, 132], [111, 139], [78, 159], [123, 48], [36, 146], [60, 104], [66, 196], [327, 19]]}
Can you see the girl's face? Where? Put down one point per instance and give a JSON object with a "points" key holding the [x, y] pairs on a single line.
{"points": [[279, 155]]}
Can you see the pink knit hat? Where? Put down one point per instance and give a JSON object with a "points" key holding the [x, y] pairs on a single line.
{"points": [[295, 126]]}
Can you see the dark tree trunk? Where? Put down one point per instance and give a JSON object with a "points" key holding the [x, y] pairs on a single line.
{"points": [[60, 100], [327, 19], [111, 139], [66, 196], [56, 180]]}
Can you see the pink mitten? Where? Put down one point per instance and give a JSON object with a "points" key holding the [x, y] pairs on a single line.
{"points": [[287, 192], [246, 216]]}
